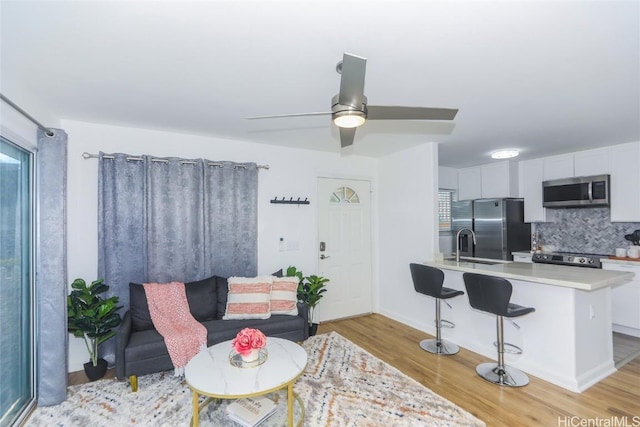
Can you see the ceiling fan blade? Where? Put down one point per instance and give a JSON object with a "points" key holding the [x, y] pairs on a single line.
{"points": [[389, 112], [321, 113], [352, 80], [346, 136]]}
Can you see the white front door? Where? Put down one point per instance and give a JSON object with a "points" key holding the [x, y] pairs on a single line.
{"points": [[344, 249]]}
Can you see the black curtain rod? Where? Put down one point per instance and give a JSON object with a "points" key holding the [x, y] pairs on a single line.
{"points": [[46, 130]]}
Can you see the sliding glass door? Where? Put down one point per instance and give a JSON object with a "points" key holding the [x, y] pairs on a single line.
{"points": [[17, 297]]}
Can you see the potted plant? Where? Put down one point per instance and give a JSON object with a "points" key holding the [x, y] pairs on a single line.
{"points": [[310, 290], [93, 318]]}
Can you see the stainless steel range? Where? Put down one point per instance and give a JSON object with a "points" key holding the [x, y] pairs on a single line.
{"points": [[569, 258]]}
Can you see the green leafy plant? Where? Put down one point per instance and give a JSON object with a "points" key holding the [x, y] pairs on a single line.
{"points": [[294, 272], [91, 317], [310, 289]]}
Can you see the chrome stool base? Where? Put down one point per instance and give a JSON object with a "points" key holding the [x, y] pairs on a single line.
{"points": [[506, 375], [444, 347]]}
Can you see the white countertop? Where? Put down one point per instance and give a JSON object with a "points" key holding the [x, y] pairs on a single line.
{"points": [[582, 278], [621, 261]]}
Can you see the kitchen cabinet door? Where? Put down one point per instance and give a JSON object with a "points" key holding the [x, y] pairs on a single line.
{"points": [[625, 181], [499, 179], [522, 258], [591, 162], [448, 178], [530, 189], [625, 299], [556, 167], [469, 183]]}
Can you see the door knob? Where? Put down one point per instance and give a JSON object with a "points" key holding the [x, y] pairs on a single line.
{"points": [[323, 256]]}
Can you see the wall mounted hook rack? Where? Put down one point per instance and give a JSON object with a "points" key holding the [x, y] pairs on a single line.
{"points": [[291, 201]]}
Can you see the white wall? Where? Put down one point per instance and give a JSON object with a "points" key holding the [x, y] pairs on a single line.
{"points": [[292, 173], [408, 224]]}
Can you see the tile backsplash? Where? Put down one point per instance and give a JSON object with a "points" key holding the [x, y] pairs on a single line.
{"points": [[585, 230]]}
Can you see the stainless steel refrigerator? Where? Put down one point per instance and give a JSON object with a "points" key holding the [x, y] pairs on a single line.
{"points": [[498, 224]]}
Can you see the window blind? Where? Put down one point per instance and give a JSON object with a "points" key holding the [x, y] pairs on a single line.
{"points": [[444, 209]]}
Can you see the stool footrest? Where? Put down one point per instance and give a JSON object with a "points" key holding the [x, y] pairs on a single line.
{"points": [[509, 348], [445, 323]]}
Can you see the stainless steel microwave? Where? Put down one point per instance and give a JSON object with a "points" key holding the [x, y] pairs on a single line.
{"points": [[577, 192]]}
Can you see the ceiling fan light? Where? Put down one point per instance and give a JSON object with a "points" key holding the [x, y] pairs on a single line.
{"points": [[349, 119], [504, 154]]}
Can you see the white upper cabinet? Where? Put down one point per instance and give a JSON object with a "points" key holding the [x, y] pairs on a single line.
{"points": [[530, 188], [622, 162], [469, 184], [448, 178], [556, 167], [582, 163], [498, 179], [592, 162], [625, 182]]}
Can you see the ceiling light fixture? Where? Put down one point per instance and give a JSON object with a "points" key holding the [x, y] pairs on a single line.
{"points": [[504, 154], [349, 119]]}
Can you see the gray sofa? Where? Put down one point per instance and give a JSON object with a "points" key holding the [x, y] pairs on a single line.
{"points": [[141, 350]]}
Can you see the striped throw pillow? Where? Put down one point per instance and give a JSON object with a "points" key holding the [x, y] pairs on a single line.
{"points": [[284, 296], [248, 298]]}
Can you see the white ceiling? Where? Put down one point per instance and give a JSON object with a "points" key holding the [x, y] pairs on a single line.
{"points": [[546, 77]]}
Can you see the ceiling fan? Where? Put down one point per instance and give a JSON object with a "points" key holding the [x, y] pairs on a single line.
{"points": [[349, 108]]}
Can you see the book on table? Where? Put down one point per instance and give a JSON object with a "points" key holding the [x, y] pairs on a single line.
{"points": [[251, 411]]}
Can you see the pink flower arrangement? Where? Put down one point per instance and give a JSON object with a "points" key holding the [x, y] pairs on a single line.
{"points": [[248, 340]]}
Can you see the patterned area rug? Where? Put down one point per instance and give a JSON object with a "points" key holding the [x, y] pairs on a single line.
{"points": [[343, 385]]}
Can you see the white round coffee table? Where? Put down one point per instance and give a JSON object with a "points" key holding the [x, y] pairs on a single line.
{"points": [[211, 374]]}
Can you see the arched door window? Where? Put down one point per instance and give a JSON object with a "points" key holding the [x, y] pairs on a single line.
{"points": [[344, 195]]}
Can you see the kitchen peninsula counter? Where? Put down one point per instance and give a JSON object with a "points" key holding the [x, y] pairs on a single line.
{"points": [[567, 341], [583, 278]]}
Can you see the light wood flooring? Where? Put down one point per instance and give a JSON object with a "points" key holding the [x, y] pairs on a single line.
{"points": [[453, 377], [625, 349]]}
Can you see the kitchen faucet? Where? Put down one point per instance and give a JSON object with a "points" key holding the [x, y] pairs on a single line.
{"points": [[458, 241]]}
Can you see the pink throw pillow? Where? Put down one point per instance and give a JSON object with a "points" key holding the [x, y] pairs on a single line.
{"points": [[249, 298], [284, 296]]}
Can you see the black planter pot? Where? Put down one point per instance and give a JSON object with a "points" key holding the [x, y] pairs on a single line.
{"points": [[313, 329], [95, 372]]}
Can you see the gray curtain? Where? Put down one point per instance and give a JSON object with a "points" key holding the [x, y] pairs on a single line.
{"points": [[231, 223], [51, 268], [171, 219]]}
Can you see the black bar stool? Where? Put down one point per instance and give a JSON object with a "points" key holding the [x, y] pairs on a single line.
{"points": [[428, 281], [492, 294]]}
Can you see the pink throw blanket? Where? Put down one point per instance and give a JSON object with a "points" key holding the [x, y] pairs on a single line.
{"points": [[183, 335]]}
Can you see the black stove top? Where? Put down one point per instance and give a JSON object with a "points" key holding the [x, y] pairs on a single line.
{"points": [[569, 258], [577, 254]]}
